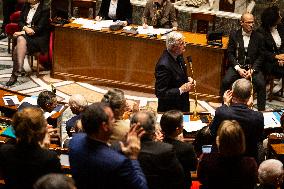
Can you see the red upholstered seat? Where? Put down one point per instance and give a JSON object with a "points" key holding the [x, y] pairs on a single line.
{"points": [[195, 184], [11, 28], [14, 17]]}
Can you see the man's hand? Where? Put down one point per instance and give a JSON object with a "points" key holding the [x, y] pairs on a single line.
{"points": [[242, 72], [279, 56], [159, 136], [29, 31], [132, 146], [281, 63], [227, 97], [249, 73]]}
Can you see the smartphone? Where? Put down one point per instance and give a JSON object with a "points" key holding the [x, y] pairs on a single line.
{"points": [[206, 149]]}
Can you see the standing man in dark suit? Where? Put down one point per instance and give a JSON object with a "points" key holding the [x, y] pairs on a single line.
{"points": [[157, 159], [246, 59], [172, 126], [236, 108], [94, 164], [172, 84]]}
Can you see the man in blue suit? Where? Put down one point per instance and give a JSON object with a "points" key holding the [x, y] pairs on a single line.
{"points": [[94, 164]]}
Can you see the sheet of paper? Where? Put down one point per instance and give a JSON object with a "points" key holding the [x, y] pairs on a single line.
{"points": [[14, 98], [64, 160], [270, 121], [193, 125]]}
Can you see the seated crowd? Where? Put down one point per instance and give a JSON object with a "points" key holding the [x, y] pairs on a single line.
{"points": [[112, 151]]}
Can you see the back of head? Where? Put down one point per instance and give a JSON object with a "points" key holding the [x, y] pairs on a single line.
{"points": [[78, 102], [269, 17], [242, 89], [30, 126], [147, 121], [46, 98], [93, 116], [170, 121], [271, 172], [116, 100], [173, 39], [230, 139], [54, 181]]}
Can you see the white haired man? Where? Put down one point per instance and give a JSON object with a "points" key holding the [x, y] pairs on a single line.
{"points": [[270, 174], [77, 104], [172, 83]]}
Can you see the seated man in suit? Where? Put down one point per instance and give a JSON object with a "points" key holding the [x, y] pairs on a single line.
{"points": [[172, 84], [94, 164], [157, 159], [246, 60], [252, 122], [77, 105]]}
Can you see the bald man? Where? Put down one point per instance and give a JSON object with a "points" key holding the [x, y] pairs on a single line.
{"points": [[246, 59]]}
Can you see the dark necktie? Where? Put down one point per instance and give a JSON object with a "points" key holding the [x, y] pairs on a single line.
{"points": [[180, 62]]}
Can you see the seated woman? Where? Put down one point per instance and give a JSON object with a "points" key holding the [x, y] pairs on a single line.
{"points": [[160, 14], [116, 100], [116, 10], [33, 37], [273, 32], [228, 168], [23, 163], [172, 126]]}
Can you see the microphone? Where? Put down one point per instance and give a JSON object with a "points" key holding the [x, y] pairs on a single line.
{"points": [[189, 60]]}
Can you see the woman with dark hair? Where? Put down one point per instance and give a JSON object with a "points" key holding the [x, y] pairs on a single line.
{"points": [[273, 32], [228, 168], [172, 126], [33, 37], [116, 100], [116, 10], [23, 163]]}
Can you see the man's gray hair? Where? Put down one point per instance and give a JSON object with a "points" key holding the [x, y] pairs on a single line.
{"points": [[78, 101], [242, 89], [173, 39], [269, 171], [146, 119]]}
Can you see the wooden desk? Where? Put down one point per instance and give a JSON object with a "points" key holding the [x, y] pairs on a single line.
{"points": [[277, 151], [128, 61]]}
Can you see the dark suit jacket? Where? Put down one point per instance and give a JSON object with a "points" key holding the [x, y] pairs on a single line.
{"points": [[39, 42], [186, 156], [23, 165], [169, 77], [236, 50], [123, 11], [95, 165], [270, 48], [252, 123], [217, 172], [160, 165]]}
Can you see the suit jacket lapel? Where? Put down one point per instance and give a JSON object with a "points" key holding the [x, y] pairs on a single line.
{"points": [[176, 67], [37, 13]]}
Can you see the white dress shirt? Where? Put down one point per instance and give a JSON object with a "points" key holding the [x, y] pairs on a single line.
{"points": [[31, 14], [112, 9], [276, 36], [246, 38]]}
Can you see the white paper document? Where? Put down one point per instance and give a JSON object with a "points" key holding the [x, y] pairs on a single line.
{"points": [[270, 120]]}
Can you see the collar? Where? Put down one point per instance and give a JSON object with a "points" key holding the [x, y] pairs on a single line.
{"points": [[174, 57], [245, 33], [273, 29], [34, 6]]}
